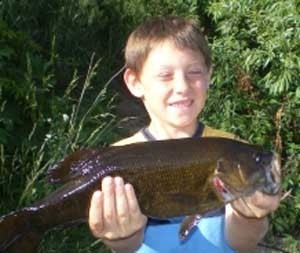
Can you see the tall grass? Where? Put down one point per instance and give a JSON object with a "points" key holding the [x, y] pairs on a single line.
{"points": [[87, 122]]}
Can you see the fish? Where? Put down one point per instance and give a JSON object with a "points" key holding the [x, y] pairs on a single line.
{"points": [[180, 177]]}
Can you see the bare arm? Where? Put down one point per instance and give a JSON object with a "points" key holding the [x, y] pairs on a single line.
{"points": [[115, 216], [244, 233]]}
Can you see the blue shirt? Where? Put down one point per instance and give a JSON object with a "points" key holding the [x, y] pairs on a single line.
{"points": [[207, 237]]}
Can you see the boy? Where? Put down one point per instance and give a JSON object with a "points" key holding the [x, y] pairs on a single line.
{"points": [[168, 66]]}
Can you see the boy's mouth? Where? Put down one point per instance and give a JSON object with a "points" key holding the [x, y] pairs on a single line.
{"points": [[182, 103]]}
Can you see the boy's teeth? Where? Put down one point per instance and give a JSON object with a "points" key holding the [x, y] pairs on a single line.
{"points": [[183, 103]]}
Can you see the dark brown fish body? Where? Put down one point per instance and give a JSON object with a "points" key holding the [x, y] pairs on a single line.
{"points": [[171, 178]]}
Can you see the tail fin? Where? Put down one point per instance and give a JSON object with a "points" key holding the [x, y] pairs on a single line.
{"points": [[17, 235]]}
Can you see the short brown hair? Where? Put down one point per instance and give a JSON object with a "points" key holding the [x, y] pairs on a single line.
{"points": [[183, 32]]}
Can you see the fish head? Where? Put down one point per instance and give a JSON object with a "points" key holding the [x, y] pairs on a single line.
{"points": [[246, 173]]}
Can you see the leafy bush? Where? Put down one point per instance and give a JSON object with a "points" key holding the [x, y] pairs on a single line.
{"points": [[255, 89]]}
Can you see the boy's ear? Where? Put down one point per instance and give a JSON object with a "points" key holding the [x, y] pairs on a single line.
{"points": [[133, 83], [209, 76], [210, 72]]}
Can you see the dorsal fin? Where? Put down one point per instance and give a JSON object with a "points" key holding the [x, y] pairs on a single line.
{"points": [[73, 166]]}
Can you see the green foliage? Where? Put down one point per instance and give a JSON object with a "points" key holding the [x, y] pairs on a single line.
{"points": [[263, 36], [24, 77], [78, 238], [67, 127], [285, 220], [255, 86], [83, 27]]}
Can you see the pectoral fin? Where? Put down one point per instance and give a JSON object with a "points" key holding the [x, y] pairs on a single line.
{"points": [[77, 164], [187, 225]]}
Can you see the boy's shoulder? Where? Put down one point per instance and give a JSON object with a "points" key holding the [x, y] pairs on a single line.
{"points": [[207, 132], [137, 137], [212, 132]]}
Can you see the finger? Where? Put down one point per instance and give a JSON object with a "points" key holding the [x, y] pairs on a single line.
{"points": [[95, 214], [258, 205], [242, 208], [121, 202], [109, 209], [136, 216], [132, 200], [264, 201]]}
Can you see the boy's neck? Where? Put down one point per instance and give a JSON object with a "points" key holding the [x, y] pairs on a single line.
{"points": [[161, 132]]}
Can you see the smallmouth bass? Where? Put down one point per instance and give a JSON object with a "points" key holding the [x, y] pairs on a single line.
{"points": [[181, 177]]}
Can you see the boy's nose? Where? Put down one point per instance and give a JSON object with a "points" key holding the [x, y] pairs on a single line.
{"points": [[181, 83]]}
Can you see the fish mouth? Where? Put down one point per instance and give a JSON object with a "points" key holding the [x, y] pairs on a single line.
{"points": [[222, 190], [273, 177]]}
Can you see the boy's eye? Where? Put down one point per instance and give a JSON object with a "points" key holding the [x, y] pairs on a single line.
{"points": [[165, 76], [195, 72]]}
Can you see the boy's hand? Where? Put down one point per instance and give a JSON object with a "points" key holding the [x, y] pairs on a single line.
{"points": [[250, 214], [257, 205], [114, 212]]}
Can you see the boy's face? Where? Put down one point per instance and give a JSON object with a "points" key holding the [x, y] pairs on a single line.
{"points": [[173, 84]]}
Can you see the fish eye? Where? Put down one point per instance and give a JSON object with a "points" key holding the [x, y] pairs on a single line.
{"points": [[257, 157]]}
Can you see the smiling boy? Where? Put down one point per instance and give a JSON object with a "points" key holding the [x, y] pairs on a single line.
{"points": [[168, 66]]}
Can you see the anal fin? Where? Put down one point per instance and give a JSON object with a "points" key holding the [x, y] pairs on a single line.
{"points": [[187, 225]]}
